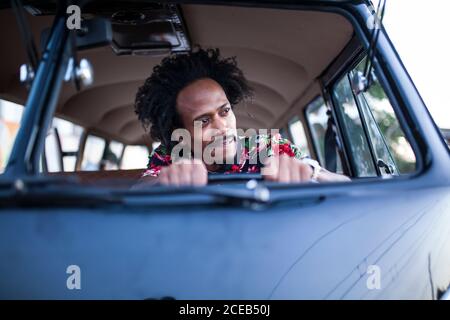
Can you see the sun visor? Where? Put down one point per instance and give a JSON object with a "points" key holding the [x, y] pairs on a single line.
{"points": [[138, 28], [149, 32]]}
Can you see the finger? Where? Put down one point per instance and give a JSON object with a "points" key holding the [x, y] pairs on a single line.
{"points": [[181, 172], [199, 175], [162, 178], [296, 172], [184, 174], [306, 172], [173, 175], [285, 169], [270, 170]]}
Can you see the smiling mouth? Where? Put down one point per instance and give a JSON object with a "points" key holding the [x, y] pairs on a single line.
{"points": [[225, 141]]}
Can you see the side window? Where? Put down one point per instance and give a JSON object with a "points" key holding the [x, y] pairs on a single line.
{"points": [[317, 115], [10, 116], [284, 133], [61, 145], [353, 131], [70, 137], [135, 157], [112, 157], [93, 153], [53, 152], [387, 137], [155, 144], [298, 135]]}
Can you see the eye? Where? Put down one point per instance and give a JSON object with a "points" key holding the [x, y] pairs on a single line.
{"points": [[204, 121], [225, 111]]}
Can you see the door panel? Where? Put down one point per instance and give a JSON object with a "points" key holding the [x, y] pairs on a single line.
{"points": [[304, 252]]}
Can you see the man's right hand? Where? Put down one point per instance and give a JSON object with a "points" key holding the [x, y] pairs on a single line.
{"points": [[182, 173]]}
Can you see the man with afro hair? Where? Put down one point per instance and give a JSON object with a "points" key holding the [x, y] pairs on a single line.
{"points": [[197, 92]]}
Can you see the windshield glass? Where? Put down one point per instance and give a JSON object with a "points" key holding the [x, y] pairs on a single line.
{"points": [[198, 101]]}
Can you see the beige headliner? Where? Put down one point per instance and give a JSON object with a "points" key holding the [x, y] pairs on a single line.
{"points": [[281, 52]]}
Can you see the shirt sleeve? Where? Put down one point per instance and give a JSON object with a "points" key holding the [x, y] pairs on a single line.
{"points": [[156, 160]]}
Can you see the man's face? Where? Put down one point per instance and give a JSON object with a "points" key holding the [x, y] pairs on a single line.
{"points": [[205, 101]]}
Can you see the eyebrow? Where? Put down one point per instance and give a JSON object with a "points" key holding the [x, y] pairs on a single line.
{"points": [[208, 113]]}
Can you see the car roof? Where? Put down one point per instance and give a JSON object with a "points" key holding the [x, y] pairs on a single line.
{"points": [[50, 5], [282, 65]]}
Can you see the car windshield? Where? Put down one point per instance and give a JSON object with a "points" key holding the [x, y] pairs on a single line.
{"points": [[170, 95]]}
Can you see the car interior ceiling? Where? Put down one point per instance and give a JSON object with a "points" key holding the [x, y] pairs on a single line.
{"points": [[282, 64]]}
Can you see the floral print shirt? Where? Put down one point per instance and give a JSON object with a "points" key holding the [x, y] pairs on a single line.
{"points": [[249, 149]]}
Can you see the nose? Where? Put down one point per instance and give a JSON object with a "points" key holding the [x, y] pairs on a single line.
{"points": [[220, 124]]}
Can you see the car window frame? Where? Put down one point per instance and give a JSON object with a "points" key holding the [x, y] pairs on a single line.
{"points": [[309, 128], [366, 108], [345, 135], [406, 116], [328, 88]]}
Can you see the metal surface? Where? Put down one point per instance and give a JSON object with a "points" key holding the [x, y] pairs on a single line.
{"points": [[184, 248]]}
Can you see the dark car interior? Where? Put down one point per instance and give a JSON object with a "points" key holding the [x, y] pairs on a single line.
{"points": [[291, 67]]}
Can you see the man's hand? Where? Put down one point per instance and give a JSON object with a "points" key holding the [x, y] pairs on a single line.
{"points": [[286, 169], [184, 173], [181, 173], [291, 170]]}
